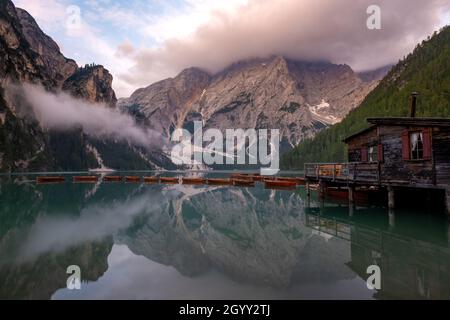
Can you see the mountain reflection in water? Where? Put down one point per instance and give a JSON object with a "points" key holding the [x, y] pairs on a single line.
{"points": [[202, 242]]}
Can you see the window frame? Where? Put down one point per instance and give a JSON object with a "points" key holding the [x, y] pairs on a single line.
{"points": [[418, 153], [374, 148]]}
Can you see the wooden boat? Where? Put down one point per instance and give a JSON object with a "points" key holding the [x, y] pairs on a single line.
{"points": [[264, 179], [219, 182], [243, 182], [85, 179], [50, 179], [239, 175], [151, 179], [132, 179], [280, 184], [112, 179], [193, 180], [292, 179], [242, 177], [257, 177], [169, 180]]}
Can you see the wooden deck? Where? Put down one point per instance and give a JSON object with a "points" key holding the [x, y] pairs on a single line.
{"points": [[365, 173], [344, 172], [372, 176]]}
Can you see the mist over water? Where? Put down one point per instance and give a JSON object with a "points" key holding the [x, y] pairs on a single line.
{"points": [[60, 111]]}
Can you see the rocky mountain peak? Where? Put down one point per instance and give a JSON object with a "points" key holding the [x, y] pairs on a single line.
{"points": [[297, 97], [165, 104], [92, 83], [281, 63]]}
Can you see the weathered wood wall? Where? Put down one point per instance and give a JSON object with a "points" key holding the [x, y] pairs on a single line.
{"points": [[441, 154], [367, 138], [394, 168]]}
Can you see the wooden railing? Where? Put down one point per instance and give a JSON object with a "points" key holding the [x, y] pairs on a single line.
{"points": [[355, 171]]}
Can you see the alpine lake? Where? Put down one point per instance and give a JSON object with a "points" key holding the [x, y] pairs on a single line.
{"points": [[156, 241]]}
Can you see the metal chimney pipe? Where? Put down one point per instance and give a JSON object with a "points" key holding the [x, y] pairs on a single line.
{"points": [[412, 111]]}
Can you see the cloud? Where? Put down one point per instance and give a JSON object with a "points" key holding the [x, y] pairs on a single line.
{"points": [[141, 41], [125, 49], [50, 14], [62, 112], [300, 29]]}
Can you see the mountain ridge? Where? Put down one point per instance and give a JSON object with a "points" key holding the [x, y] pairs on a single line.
{"points": [[274, 92]]}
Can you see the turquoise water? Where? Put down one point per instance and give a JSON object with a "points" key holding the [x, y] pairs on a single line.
{"points": [[139, 241]]}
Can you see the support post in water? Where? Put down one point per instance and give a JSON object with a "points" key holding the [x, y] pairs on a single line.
{"points": [[391, 218], [447, 202], [351, 195], [308, 190], [351, 210], [322, 190], [391, 197]]}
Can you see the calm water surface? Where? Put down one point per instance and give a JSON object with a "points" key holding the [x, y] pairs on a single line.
{"points": [[138, 241]]}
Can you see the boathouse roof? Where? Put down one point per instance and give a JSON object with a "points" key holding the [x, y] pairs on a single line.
{"points": [[408, 121], [402, 121]]}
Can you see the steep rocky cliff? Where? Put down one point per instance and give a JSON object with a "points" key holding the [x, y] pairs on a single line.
{"points": [[22, 143], [93, 84], [50, 58], [165, 104]]}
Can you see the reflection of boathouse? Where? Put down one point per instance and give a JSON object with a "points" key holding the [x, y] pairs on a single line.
{"points": [[412, 267], [396, 156]]}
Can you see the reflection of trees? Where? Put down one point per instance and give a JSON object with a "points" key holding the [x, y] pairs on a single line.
{"points": [[40, 278], [414, 264]]}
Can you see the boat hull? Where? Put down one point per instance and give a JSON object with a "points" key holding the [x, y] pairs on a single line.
{"points": [[169, 180], [151, 179], [50, 180], [85, 179], [132, 179], [193, 181]]}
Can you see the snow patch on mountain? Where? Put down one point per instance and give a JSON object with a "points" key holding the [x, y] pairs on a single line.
{"points": [[321, 113]]}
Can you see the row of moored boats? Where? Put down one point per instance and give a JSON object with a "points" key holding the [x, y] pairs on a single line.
{"points": [[236, 179]]}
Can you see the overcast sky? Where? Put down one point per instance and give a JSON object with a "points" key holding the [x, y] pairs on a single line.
{"points": [[143, 41]]}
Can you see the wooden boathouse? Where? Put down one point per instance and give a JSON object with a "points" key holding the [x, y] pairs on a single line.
{"points": [[405, 154]]}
